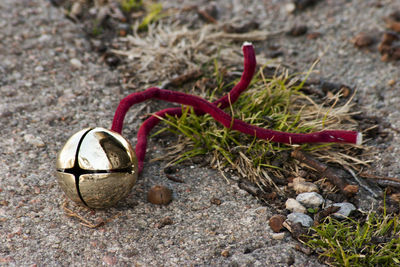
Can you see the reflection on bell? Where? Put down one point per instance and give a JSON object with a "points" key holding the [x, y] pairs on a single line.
{"points": [[97, 167]]}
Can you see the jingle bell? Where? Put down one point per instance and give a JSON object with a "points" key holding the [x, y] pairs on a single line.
{"points": [[97, 167]]}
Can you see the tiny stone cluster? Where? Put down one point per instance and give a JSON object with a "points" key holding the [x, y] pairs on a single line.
{"points": [[303, 208]]}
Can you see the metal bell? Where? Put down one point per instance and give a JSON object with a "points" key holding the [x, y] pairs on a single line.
{"points": [[97, 167]]}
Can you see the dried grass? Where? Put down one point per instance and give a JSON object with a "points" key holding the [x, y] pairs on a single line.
{"points": [[169, 49]]}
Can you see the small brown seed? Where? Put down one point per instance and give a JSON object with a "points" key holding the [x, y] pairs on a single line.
{"points": [[298, 30], [313, 35], [363, 40], [225, 253], [351, 190], [276, 222], [393, 25], [215, 201], [122, 32], [160, 195], [164, 221], [389, 37]]}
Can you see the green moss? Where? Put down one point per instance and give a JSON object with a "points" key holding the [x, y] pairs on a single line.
{"points": [[154, 13], [97, 29], [131, 5]]}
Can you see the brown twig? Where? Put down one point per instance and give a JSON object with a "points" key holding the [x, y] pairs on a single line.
{"points": [[207, 17], [174, 179], [256, 192], [324, 213], [306, 250], [388, 183], [330, 173], [371, 176], [296, 229], [382, 180]]}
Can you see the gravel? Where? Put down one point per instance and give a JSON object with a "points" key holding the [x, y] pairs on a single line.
{"points": [[53, 85], [302, 218], [310, 200], [344, 211]]}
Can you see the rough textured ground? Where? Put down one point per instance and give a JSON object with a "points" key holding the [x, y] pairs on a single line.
{"points": [[45, 98]]}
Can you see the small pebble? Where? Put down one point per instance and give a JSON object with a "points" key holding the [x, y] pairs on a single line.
{"points": [[261, 210], [345, 210], [298, 180], [290, 7], [276, 222], [305, 187], [39, 69], [164, 222], [44, 38], [298, 30], [76, 9], [363, 40], [294, 206], [76, 63], [391, 82], [16, 75], [225, 253], [310, 200], [215, 201], [34, 140], [301, 218], [278, 236], [109, 260]]}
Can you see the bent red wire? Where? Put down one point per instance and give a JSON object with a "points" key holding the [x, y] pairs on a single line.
{"points": [[328, 136], [144, 130]]}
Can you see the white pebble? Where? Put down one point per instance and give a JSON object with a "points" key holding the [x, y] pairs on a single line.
{"points": [[34, 140], [39, 68], [302, 218], [345, 210], [290, 7], [296, 181], [304, 187], [76, 9], [278, 236], [310, 200], [44, 38], [294, 206], [76, 63]]}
